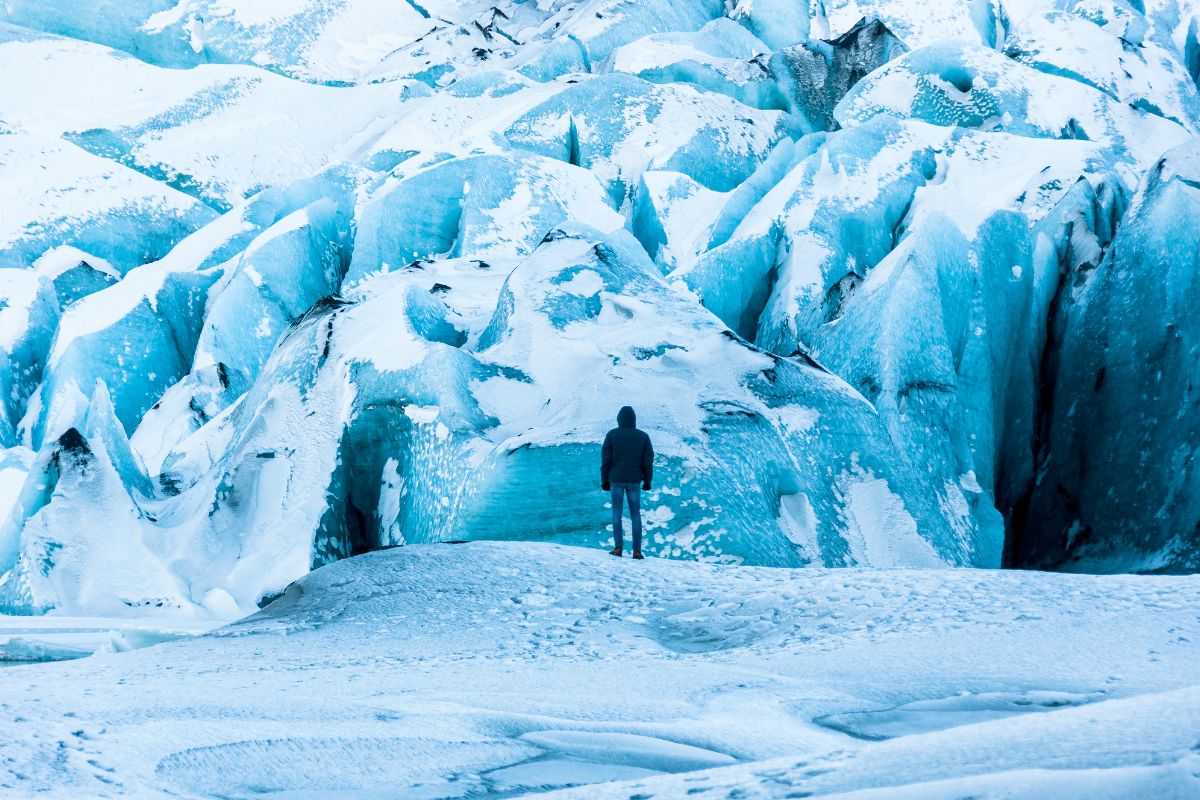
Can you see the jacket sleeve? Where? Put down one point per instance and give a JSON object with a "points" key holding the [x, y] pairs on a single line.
{"points": [[648, 461], [606, 458]]}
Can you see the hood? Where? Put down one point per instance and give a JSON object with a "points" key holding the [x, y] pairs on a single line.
{"points": [[626, 418]]}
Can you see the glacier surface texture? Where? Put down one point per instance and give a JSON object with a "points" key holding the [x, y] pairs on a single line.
{"points": [[891, 283]]}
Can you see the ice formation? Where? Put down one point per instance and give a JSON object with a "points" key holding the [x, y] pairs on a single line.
{"points": [[890, 283]]}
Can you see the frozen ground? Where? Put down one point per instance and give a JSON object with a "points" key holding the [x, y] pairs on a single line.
{"points": [[500, 669]]}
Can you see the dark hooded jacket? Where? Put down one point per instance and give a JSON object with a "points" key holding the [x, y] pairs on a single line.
{"points": [[627, 455]]}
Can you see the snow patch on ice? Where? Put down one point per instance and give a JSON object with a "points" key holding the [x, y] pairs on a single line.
{"points": [[879, 529]]}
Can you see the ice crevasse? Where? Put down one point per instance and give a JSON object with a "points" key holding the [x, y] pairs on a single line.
{"points": [[889, 285]]}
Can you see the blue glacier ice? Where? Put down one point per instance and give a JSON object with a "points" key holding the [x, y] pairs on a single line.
{"points": [[1145, 76], [88, 203], [29, 311], [284, 271], [75, 274], [120, 26], [1116, 484], [139, 336], [483, 206], [770, 420], [616, 126], [721, 57], [890, 283], [579, 37]]}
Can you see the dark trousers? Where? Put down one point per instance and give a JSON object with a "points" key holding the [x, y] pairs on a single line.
{"points": [[632, 491]]}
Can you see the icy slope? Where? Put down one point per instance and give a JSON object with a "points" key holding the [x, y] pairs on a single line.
{"points": [[505, 668], [287, 282]]}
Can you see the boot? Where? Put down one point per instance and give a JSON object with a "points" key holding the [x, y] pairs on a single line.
{"points": [[637, 554], [616, 551]]}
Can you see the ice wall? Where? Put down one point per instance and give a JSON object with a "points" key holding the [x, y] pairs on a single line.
{"points": [[890, 283], [1116, 483]]}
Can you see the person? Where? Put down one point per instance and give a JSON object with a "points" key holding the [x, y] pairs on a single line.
{"points": [[626, 470]]}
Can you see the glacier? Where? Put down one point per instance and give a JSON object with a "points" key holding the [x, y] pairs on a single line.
{"points": [[891, 285], [314, 314]]}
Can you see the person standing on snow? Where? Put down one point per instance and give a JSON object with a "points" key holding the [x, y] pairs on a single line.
{"points": [[626, 468]]}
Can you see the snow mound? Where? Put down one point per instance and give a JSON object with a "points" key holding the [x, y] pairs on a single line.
{"points": [[505, 668]]}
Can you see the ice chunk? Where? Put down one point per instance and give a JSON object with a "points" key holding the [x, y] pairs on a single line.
{"points": [[138, 336], [834, 214], [618, 126], [920, 24], [971, 385], [1150, 78], [777, 22], [783, 157], [436, 52], [310, 40], [673, 217], [103, 431], [14, 467], [76, 274], [281, 506], [197, 398], [483, 207], [217, 133], [721, 57], [466, 288], [121, 27], [145, 348], [887, 303], [84, 541], [356, 41], [34, 651], [582, 35], [284, 271]]}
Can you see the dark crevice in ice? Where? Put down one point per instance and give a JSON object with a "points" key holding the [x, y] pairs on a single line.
{"points": [[573, 156], [748, 325], [815, 76], [1033, 540], [1017, 517], [583, 52], [838, 294], [418, 8]]}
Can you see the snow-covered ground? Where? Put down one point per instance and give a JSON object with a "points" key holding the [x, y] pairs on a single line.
{"points": [[500, 669]]}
